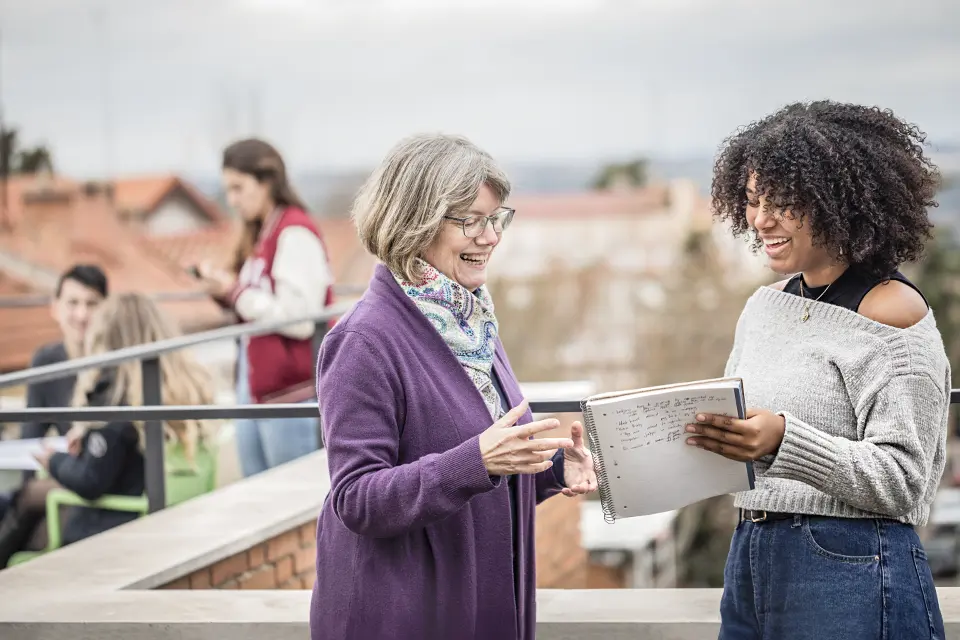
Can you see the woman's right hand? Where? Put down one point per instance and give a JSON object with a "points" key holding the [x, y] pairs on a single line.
{"points": [[217, 282], [508, 449], [74, 438]]}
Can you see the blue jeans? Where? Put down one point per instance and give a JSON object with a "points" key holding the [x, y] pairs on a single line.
{"points": [[813, 578], [268, 442]]}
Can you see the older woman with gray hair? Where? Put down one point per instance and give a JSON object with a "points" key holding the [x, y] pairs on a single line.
{"points": [[428, 530]]}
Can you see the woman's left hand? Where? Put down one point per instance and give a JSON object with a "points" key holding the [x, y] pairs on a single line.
{"points": [[578, 473], [760, 434]]}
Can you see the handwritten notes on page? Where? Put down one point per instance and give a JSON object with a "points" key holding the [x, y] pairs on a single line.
{"points": [[649, 468]]}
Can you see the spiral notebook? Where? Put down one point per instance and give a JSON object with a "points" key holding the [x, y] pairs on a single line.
{"points": [[638, 442]]}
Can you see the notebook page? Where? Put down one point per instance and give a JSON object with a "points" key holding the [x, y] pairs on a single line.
{"points": [[649, 466], [18, 454]]}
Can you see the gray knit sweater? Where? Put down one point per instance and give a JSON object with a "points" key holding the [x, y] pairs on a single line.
{"points": [[865, 406]]}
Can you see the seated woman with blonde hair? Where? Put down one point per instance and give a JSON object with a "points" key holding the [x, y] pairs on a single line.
{"points": [[107, 459]]}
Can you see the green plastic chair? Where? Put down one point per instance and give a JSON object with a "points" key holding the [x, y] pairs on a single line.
{"points": [[183, 482]]}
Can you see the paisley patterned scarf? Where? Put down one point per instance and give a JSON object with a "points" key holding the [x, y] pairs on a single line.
{"points": [[466, 323]]}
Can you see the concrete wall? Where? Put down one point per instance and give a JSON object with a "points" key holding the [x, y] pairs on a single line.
{"points": [[287, 560], [258, 533]]}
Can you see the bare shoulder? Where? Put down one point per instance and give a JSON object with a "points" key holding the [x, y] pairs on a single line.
{"points": [[894, 303]]}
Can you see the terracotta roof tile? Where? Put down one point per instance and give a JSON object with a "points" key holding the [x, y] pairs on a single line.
{"points": [[24, 330], [350, 262], [214, 243], [16, 185], [65, 226], [145, 193], [13, 286]]}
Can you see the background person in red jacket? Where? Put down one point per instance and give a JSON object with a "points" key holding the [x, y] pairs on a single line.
{"points": [[280, 270]]}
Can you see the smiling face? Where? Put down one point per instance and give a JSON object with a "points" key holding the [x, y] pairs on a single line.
{"points": [[73, 308], [786, 236], [462, 259]]}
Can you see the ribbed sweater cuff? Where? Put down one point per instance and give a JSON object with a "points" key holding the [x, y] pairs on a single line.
{"points": [[806, 454], [461, 472]]}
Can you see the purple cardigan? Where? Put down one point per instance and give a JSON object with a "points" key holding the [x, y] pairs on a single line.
{"points": [[414, 539]]}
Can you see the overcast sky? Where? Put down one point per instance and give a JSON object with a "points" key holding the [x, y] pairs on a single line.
{"points": [[335, 82]]}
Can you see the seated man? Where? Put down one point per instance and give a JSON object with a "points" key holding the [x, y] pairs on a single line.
{"points": [[79, 292]]}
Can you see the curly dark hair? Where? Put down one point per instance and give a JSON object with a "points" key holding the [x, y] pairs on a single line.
{"points": [[857, 173]]}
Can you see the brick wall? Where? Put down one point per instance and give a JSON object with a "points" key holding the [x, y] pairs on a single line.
{"points": [[287, 561], [283, 562], [561, 561], [603, 577]]}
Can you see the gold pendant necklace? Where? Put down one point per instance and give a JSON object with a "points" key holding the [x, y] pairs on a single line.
{"points": [[806, 304]]}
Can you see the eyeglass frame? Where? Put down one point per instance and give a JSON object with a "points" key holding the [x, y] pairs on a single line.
{"points": [[506, 215]]}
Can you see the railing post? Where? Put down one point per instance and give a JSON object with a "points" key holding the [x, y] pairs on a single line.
{"points": [[155, 474]]}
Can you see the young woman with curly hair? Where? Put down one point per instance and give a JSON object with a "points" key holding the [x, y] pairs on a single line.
{"points": [[847, 374]]}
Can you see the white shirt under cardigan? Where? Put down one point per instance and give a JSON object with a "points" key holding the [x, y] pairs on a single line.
{"points": [[865, 404]]}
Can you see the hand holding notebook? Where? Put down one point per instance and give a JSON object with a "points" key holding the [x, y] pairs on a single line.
{"points": [[638, 441], [758, 435]]}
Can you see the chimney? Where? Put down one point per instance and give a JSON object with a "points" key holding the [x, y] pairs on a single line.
{"points": [[47, 219], [95, 215], [99, 191]]}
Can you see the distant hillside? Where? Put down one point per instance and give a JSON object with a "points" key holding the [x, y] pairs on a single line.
{"points": [[557, 178], [527, 177], [330, 192]]}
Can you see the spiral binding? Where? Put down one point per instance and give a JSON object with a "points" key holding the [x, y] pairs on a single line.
{"points": [[606, 500]]}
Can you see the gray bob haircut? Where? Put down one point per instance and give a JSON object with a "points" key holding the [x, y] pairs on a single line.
{"points": [[400, 209]]}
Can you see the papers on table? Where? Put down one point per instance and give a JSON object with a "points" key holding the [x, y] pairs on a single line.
{"points": [[18, 454]]}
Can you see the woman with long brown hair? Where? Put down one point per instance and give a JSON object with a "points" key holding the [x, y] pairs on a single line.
{"points": [[279, 271]]}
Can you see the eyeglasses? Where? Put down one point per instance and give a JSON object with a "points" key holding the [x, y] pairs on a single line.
{"points": [[474, 226]]}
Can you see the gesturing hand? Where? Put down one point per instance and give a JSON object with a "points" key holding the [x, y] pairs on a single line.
{"points": [[578, 472], [508, 449], [760, 434]]}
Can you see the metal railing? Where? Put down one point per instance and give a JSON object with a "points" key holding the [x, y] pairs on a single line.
{"points": [[43, 300], [153, 413]]}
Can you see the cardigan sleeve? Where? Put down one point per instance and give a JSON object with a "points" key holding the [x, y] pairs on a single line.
{"points": [[95, 471], [550, 482], [362, 400]]}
